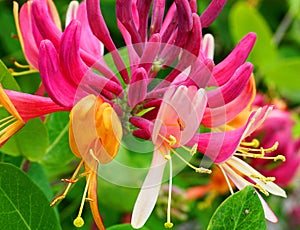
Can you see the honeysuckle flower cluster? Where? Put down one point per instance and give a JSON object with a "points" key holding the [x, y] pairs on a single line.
{"points": [[136, 94]]}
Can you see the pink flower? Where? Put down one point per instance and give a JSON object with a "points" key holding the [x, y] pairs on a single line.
{"points": [[224, 148], [177, 121], [22, 107]]}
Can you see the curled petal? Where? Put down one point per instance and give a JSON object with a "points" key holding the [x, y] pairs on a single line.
{"points": [[61, 89], [212, 12], [138, 87], [220, 146], [143, 7], [157, 16], [45, 23], [231, 89], [225, 69], [208, 46]]}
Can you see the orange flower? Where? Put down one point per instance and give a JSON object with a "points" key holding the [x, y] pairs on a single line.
{"points": [[95, 134]]}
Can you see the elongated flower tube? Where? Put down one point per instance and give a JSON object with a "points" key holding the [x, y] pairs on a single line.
{"points": [[177, 121], [95, 134], [39, 20], [21, 108], [224, 148]]}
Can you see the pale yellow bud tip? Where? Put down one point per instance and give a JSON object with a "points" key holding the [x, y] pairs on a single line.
{"points": [[168, 225], [78, 222]]}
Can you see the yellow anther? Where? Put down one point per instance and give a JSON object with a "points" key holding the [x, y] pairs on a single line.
{"points": [[156, 67], [203, 170], [78, 222], [261, 189], [172, 140], [194, 149], [167, 157], [280, 158], [263, 179], [254, 143], [168, 225], [89, 199]]}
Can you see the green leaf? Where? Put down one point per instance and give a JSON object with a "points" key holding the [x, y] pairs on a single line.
{"points": [[244, 19], [6, 79], [284, 74], [23, 204], [58, 152], [124, 227], [31, 141], [242, 210]]}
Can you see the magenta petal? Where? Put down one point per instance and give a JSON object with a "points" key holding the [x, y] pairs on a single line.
{"points": [[157, 16], [59, 88], [124, 15], [69, 55], [194, 40], [225, 69], [185, 21], [138, 87], [45, 23], [212, 12], [214, 117], [219, 146], [30, 47], [88, 41], [150, 52], [143, 7], [169, 24], [231, 89], [32, 106]]}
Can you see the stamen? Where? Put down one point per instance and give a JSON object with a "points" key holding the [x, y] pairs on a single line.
{"points": [[172, 140], [21, 66], [71, 181], [7, 120], [78, 221], [254, 143], [263, 179], [199, 170], [169, 224], [227, 180], [260, 188], [181, 124], [258, 153], [16, 74]]}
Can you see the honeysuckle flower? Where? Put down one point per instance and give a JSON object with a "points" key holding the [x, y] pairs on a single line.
{"points": [[224, 148], [177, 121], [95, 134], [268, 133], [39, 20], [21, 108]]}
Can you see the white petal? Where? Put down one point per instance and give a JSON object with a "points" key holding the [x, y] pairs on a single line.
{"points": [[71, 12], [269, 214], [246, 169], [148, 195], [208, 46]]}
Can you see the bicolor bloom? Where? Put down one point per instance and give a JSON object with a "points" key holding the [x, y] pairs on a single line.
{"points": [[95, 134], [177, 121], [225, 148], [20, 108], [39, 20], [270, 132]]}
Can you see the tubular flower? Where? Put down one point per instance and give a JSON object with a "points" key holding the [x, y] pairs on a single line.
{"points": [[175, 125], [22, 107], [39, 20], [267, 134], [95, 134], [225, 148]]}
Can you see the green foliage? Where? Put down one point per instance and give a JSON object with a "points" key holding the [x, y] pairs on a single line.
{"points": [[31, 141], [23, 204], [242, 210], [58, 152], [6, 79]]}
